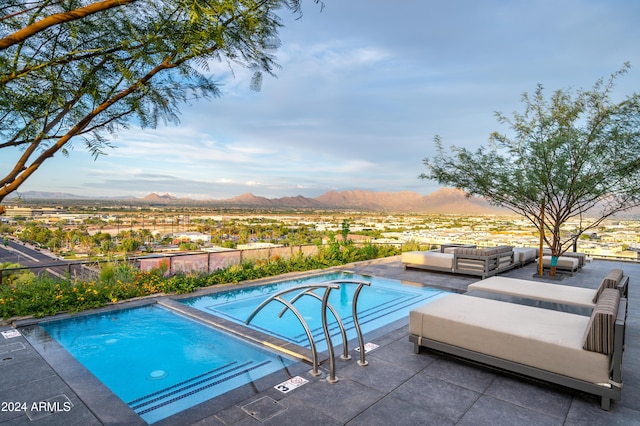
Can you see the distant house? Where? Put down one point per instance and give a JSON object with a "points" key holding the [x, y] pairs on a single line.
{"points": [[193, 237]]}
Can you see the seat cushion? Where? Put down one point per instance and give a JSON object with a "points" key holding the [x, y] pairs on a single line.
{"points": [[564, 262], [537, 290], [540, 338], [428, 258], [524, 254]]}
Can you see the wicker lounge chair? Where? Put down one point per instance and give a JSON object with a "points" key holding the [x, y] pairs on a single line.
{"points": [[579, 352]]}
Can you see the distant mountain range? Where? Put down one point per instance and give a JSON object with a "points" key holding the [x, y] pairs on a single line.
{"points": [[445, 200], [442, 201]]}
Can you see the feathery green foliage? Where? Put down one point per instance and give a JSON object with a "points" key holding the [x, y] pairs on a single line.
{"points": [[42, 295], [86, 68], [574, 155]]}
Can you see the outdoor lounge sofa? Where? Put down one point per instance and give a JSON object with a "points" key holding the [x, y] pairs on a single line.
{"points": [[564, 294], [463, 260], [579, 352]]}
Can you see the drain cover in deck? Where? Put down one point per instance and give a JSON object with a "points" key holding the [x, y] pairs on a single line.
{"points": [[12, 347], [9, 334], [57, 404], [264, 408]]}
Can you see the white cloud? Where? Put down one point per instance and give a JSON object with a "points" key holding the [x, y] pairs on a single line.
{"points": [[363, 89]]}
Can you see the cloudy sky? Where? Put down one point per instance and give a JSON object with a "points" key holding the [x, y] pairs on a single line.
{"points": [[364, 87]]}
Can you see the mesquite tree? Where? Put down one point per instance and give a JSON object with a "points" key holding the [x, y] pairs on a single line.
{"points": [[86, 68], [575, 155]]}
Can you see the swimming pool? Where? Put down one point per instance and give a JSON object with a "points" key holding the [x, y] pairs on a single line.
{"points": [[159, 362], [379, 304]]}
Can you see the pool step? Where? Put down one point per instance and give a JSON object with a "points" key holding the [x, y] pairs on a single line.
{"points": [[192, 386]]}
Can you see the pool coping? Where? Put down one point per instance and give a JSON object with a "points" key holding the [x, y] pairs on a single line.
{"points": [[390, 390], [105, 405], [108, 408], [245, 333]]}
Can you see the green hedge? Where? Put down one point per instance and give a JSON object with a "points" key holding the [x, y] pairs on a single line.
{"points": [[42, 295]]}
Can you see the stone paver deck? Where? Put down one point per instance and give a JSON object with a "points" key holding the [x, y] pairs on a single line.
{"points": [[397, 387]]}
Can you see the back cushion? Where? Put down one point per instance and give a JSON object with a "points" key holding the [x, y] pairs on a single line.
{"points": [[599, 335], [471, 251], [504, 249], [603, 285], [613, 278], [610, 281], [485, 251]]}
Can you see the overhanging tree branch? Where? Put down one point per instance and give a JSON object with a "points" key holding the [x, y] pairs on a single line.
{"points": [[57, 19], [68, 75]]}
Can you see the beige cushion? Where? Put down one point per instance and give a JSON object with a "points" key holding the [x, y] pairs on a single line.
{"points": [[525, 254], [599, 335], [540, 338], [563, 262], [428, 258], [537, 290], [582, 258]]}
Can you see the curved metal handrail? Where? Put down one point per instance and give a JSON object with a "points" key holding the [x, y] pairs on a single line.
{"points": [[354, 310], [345, 352], [305, 288], [356, 323], [308, 290]]}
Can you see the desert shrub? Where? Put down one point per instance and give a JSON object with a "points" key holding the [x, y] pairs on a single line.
{"points": [[29, 294], [106, 272]]}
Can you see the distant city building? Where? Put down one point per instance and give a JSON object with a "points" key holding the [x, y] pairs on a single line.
{"points": [[15, 211]]}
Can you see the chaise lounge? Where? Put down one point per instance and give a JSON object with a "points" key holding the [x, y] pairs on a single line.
{"points": [[564, 294], [580, 352]]}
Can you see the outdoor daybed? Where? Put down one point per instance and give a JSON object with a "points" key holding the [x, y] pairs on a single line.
{"points": [[557, 293], [580, 352], [564, 263], [463, 260], [582, 258]]}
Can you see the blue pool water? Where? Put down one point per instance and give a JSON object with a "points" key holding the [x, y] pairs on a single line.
{"points": [[160, 362], [379, 304]]}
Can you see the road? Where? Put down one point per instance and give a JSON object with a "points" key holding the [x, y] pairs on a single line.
{"points": [[23, 254], [38, 260]]}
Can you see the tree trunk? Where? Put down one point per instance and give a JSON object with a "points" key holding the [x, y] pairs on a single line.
{"points": [[541, 248]]}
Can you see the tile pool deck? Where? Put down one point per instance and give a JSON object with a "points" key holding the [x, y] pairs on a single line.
{"points": [[397, 387]]}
